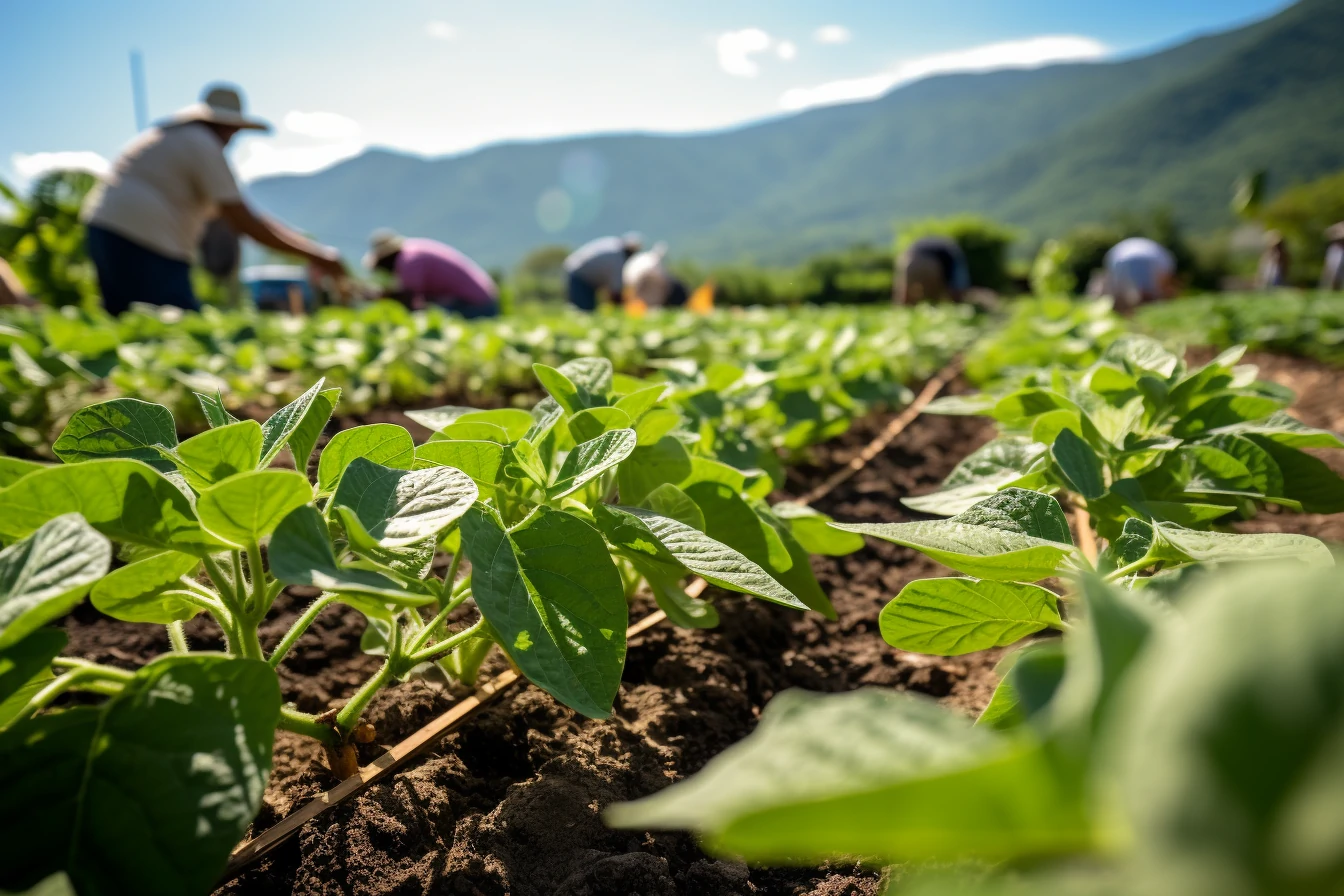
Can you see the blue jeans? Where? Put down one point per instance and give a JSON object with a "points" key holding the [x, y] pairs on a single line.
{"points": [[471, 310], [128, 272], [581, 294]]}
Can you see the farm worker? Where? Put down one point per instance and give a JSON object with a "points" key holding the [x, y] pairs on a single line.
{"points": [[1332, 274], [1273, 270], [430, 272], [597, 266], [645, 278], [932, 268], [146, 218], [1139, 270]]}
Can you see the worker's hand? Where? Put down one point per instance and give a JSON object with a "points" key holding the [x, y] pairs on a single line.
{"points": [[328, 261]]}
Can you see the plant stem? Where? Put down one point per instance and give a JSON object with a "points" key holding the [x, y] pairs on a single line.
{"points": [[302, 723], [86, 677], [221, 581], [1129, 570], [299, 627], [432, 626], [435, 650], [111, 673], [178, 637], [447, 588], [349, 715], [257, 605]]}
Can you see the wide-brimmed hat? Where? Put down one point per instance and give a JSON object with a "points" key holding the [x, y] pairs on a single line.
{"points": [[633, 240], [220, 104], [382, 243], [1335, 232]]}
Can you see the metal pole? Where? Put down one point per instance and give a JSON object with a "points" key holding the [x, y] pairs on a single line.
{"points": [[138, 91]]}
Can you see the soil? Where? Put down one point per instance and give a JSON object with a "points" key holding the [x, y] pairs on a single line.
{"points": [[511, 803]]}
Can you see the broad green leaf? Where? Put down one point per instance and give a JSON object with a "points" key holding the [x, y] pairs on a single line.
{"points": [[1264, 474], [973, 405], [1022, 405], [1079, 463], [123, 427], [135, 593], [404, 507], [46, 574], [950, 617], [474, 432], [213, 408], [680, 607], [245, 509], [435, 419], [731, 520], [25, 668], [590, 460], [1029, 678], [1285, 430], [873, 774], [413, 560], [1014, 535], [588, 425], [995, 465], [301, 554], [656, 424], [592, 374], [304, 438], [149, 792], [1184, 545], [12, 469], [552, 593], [527, 463], [479, 460], [544, 417], [277, 429], [126, 500], [218, 453], [641, 400], [649, 467], [797, 576], [1223, 411], [515, 422], [383, 443], [703, 469], [1134, 544], [559, 387], [1306, 479], [675, 547], [1141, 353], [669, 501], [810, 527]]}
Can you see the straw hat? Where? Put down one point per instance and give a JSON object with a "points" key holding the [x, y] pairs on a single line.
{"points": [[382, 242], [220, 104], [633, 240]]}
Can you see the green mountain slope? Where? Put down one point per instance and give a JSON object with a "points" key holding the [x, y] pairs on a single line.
{"points": [[1041, 148]]}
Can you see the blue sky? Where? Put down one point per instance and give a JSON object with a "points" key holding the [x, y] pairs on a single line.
{"points": [[433, 77]]}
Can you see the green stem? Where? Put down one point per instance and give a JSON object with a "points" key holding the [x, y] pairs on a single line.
{"points": [[1129, 570], [87, 678], [447, 588], [428, 631], [349, 715], [299, 627], [447, 644], [257, 605], [305, 724], [111, 673], [178, 637], [220, 580]]}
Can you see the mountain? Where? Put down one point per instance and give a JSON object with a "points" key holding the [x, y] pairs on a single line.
{"points": [[1041, 149]]}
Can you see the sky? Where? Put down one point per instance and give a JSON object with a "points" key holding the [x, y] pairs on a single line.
{"points": [[435, 77]]}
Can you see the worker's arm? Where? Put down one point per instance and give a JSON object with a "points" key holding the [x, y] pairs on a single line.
{"points": [[277, 236]]}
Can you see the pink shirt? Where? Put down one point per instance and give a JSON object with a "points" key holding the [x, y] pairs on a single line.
{"points": [[432, 271]]}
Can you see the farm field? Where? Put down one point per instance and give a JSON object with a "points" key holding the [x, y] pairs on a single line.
{"points": [[635, 457]]}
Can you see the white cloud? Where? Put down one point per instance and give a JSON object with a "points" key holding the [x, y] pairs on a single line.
{"points": [[786, 50], [832, 34], [321, 125], [30, 165], [1029, 53], [262, 158], [736, 48], [441, 30]]}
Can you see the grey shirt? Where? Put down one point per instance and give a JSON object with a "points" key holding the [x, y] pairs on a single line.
{"points": [[598, 263]]}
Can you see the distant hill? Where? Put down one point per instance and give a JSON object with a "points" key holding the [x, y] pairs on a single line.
{"points": [[1041, 149]]}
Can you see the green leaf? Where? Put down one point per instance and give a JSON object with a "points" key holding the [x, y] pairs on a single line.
{"points": [[403, 507], [1222, 411], [559, 387], [872, 774], [135, 593], [479, 460], [703, 469], [245, 509], [951, 617], [991, 467], [1134, 544], [669, 501], [552, 593], [213, 408], [656, 424], [149, 792], [25, 668], [382, 443], [592, 374], [680, 607], [218, 453], [1079, 463], [731, 520], [275, 432], [413, 560], [123, 427], [12, 469], [590, 460], [1306, 479], [1184, 545], [1017, 407], [435, 419], [1141, 354], [304, 438], [810, 528], [975, 404], [474, 432], [527, 463], [515, 422], [588, 425], [650, 466], [1284, 429], [675, 547], [1262, 473], [301, 554], [45, 575], [126, 500], [797, 577], [1014, 535], [1029, 678], [544, 417], [641, 400]]}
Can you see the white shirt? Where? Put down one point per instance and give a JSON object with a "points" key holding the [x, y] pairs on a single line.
{"points": [[164, 188], [1135, 269], [645, 277]]}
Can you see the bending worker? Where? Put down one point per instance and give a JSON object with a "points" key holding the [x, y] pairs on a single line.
{"points": [[147, 216], [596, 267], [931, 269], [1139, 270], [431, 273]]}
